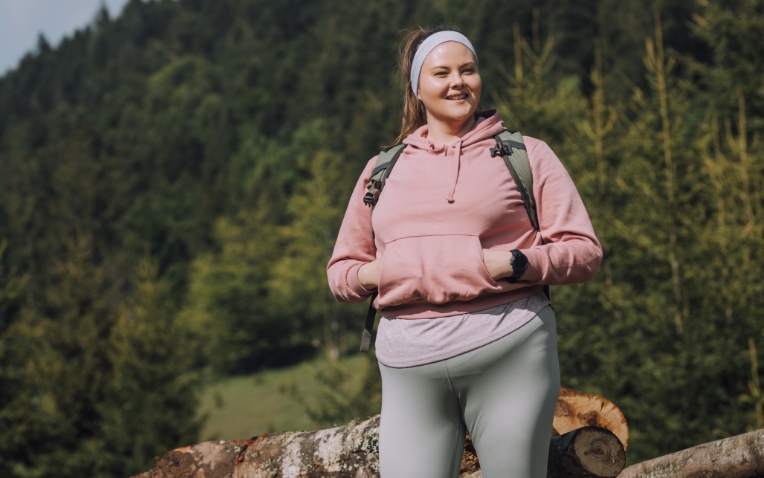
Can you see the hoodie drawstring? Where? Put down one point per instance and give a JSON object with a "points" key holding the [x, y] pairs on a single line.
{"points": [[456, 165]]}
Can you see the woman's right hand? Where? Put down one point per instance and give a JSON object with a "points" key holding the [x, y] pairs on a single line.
{"points": [[368, 274]]}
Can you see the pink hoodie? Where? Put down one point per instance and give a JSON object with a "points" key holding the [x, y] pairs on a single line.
{"points": [[441, 206]]}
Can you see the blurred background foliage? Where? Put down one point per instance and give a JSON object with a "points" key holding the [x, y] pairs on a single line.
{"points": [[172, 181]]}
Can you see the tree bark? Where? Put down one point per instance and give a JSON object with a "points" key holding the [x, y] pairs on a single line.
{"points": [[349, 451], [740, 456], [586, 452]]}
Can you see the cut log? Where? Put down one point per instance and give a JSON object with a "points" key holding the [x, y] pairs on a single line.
{"points": [[586, 452], [740, 456], [590, 452], [574, 410], [577, 410]]}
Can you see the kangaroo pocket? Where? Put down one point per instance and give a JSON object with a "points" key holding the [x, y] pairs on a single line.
{"points": [[436, 269]]}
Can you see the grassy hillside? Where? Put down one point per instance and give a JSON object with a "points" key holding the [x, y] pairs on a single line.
{"points": [[268, 401]]}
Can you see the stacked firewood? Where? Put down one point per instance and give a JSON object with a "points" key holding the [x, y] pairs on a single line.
{"points": [[589, 438]]}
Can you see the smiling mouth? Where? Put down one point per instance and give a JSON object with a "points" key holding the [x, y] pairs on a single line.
{"points": [[457, 97]]}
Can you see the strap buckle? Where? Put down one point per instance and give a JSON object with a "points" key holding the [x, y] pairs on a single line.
{"points": [[369, 199], [374, 187], [501, 149]]}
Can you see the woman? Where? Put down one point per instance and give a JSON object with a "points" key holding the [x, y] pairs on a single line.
{"points": [[466, 340]]}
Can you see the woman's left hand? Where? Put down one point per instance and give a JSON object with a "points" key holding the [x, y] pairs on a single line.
{"points": [[497, 263]]}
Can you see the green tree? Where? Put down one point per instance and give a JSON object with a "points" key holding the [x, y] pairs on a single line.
{"points": [[316, 209], [151, 399], [75, 387], [263, 294]]}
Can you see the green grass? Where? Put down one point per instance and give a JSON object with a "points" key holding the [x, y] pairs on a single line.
{"points": [[243, 407]]}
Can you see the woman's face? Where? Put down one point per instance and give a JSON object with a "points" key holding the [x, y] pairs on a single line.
{"points": [[449, 83]]}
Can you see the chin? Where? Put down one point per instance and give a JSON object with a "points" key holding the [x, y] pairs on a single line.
{"points": [[460, 114]]}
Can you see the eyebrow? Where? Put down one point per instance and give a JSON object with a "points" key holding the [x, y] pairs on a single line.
{"points": [[447, 67]]}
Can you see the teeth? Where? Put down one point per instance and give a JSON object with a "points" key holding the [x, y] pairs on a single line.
{"points": [[457, 97]]}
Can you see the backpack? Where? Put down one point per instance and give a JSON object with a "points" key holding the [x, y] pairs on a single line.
{"points": [[509, 145]]}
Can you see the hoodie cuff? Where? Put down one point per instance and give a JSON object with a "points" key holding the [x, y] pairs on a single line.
{"points": [[534, 272], [354, 284]]}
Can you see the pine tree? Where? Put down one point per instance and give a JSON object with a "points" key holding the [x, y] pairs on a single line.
{"points": [[94, 391], [316, 208], [151, 399]]}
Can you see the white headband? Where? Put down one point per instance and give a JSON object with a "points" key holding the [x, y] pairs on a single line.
{"points": [[428, 45]]}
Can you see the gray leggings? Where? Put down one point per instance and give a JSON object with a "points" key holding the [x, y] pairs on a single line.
{"points": [[505, 393]]}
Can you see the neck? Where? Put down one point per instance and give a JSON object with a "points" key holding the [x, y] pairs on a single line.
{"points": [[448, 132]]}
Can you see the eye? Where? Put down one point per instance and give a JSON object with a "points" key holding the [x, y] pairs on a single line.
{"points": [[440, 73]]}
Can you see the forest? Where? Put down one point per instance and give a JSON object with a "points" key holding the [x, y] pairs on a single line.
{"points": [[172, 180]]}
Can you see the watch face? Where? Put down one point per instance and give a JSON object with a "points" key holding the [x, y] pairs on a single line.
{"points": [[519, 262]]}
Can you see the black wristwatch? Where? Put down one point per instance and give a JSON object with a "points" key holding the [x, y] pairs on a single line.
{"points": [[519, 264]]}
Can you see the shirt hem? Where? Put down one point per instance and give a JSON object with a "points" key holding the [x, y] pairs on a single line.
{"points": [[426, 310]]}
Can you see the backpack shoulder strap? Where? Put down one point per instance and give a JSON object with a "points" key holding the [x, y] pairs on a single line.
{"points": [[368, 326], [512, 149], [382, 168]]}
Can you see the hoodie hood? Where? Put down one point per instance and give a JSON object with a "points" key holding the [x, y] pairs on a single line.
{"points": [[488, 125]]}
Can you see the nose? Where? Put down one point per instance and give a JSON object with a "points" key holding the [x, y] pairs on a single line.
{"points": [[456, 79]]}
